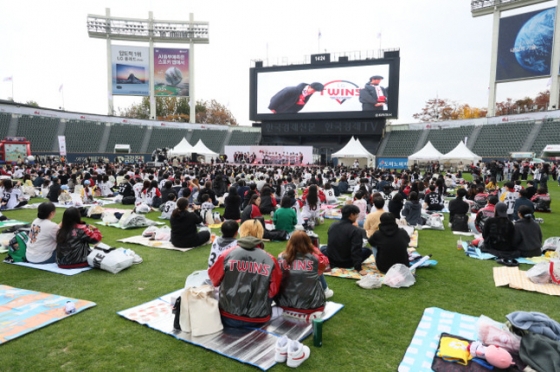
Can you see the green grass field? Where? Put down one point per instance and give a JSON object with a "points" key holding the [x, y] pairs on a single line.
{"points": [[370, 333]]}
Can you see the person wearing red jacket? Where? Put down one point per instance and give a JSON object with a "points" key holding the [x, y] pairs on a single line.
{"points": [[73, 240], [248, 278], [302, 266]]}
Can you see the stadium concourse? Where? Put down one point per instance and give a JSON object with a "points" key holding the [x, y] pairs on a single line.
{"points": [[98, 137]]}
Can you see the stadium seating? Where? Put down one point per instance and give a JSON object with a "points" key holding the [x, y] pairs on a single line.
{"points": [[213, 139], [127, 135], [5, 119], [243, 138], [83, 135], [446, 139], [401, 143], [499, 140], [39, 130], [548, 135], [166, 137]]}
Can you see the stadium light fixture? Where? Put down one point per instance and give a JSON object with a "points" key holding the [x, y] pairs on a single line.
{"points": [[486, 7]]}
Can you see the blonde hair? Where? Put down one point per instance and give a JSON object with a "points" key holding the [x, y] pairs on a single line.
{"points": [[251, 228]]}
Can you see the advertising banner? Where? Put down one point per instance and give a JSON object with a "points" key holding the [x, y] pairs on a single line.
{"points": [[131, 70], [171, 72], [392, 163], [62, 145], [525, 45], [274, 155]]}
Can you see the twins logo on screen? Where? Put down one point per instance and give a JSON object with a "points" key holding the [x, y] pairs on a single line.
{"points": [[341, 90]]}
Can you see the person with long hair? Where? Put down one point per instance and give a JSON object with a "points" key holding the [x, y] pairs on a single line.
{"points": [[268, 200], [41, 247], [302, 266], [151, 194], [12, 197], [184, 223], [412, 210], [232, 202], [311, 208], [73, 240], [252, 209], [248, 278]]}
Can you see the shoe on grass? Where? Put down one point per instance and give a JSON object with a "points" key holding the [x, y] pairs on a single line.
{"points": [[297, 353]]}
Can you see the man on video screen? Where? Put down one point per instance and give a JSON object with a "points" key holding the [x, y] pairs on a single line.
{"points": [[373, 96], [291, 100]]}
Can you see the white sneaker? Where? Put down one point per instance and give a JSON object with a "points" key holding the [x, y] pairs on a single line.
{"points": [[277, 312], [281, 353], [328, 293], [297, 353]]}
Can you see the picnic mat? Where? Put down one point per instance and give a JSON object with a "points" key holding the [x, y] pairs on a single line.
{"points": [[368, 265], [146, 242], [475, 252], [251, 346], [420, 353], [8, 223], [52, 267], [23, 311], [128, 227], [517, 279]]}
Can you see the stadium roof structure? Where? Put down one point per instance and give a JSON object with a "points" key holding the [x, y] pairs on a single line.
{"points": [[428, 152]]}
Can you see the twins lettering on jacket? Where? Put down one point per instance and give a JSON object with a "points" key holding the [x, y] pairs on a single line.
{"points": [[300, 265], [250, 267]]}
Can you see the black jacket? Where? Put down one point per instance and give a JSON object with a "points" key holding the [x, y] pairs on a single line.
{"points": [[392, 243], [232, 210], [75, 248], [285, 101], [528, 237], [498, 237], [344, 247], [183, 229], [368, 97]]}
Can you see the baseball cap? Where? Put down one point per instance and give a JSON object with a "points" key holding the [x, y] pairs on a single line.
{"points": [[501, 210]]}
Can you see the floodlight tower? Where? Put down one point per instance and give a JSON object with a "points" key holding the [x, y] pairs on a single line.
{"points": [[149, 30], [495, 7]]}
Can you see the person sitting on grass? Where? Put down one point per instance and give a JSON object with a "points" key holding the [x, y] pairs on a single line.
{"points": [[528, 234], [412, 211], [169, 206], [345, 241], [41, 247], [498, 234], [285, 218], [73, 240], [248, 277], [541, 200], [183, 226], [232, 204], [458, 209], [372, 220], [252, 210], [222, 243], [484, 214], [302, 293], [390, 242]]}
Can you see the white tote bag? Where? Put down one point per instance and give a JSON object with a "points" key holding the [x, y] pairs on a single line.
{"points": [[200, 314]]}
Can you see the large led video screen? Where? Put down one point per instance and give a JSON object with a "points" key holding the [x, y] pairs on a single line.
{"points": [[338, 90], [525, 45]]}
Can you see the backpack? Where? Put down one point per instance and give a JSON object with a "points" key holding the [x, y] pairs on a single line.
{"points": [[17, 246], [460, 223]]}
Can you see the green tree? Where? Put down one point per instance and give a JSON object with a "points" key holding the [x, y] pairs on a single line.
{"points": [[178, 110], [32, 103], [441, 109]]}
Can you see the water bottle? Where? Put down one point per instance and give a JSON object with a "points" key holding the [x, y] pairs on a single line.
{"points": [[317, 332]]}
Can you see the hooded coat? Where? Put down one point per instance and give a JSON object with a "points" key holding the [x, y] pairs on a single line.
{"points": [[391, 242]]}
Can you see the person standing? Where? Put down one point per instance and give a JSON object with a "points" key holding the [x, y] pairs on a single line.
{"points": [[373, 96]]}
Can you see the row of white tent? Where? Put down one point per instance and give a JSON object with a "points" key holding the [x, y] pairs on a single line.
{"points": [[459, 153], [355, 150], [184, 148]]}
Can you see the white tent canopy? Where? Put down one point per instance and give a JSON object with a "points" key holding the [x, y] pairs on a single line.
{"points": [[201, 149], [354, 149], [182, 148], [427, 153], [461, 153]]}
